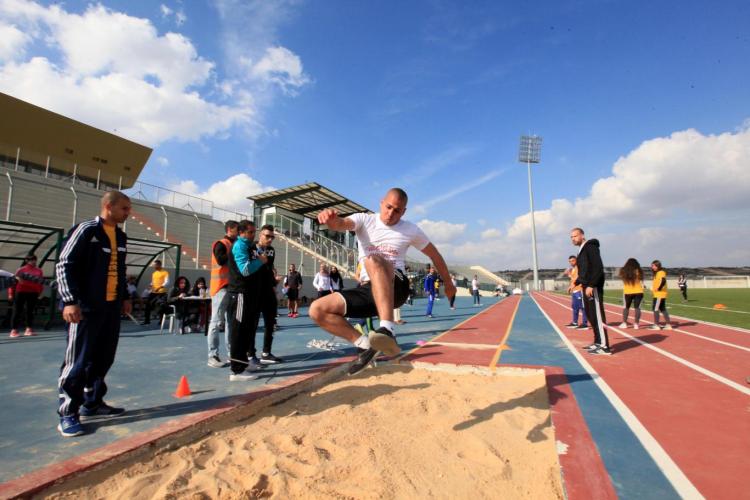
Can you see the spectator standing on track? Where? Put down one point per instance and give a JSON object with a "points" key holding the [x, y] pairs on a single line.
{"points": [[475, 291], [268, 303], [683, 286], [632, 291], [591, 277], [452, 300], [383, 240], [429, 289], [157, 296], [244, 302], [293, 283], [322, 281], [576, 296], [91, 282], [337, 282], [659, 290], [29, 286], [220, 251]]}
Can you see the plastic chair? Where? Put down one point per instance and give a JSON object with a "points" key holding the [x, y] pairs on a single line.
{"points": [[172, 315]]}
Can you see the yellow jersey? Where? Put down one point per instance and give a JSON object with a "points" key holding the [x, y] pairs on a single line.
{"points": [[633, 288], [573, 278], [112, 270], [158, 279], [659, 294]]}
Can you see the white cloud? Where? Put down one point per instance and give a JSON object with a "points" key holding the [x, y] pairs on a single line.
{"points": [[230, 193], [488, 234], [118, 73], [679, 198], [421, 208], [164, 162], [441, 231], [281, 67], [12, 42]]}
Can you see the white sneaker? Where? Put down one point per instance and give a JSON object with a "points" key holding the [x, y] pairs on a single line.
{"points": [[242, 377], [654, 327], [667, 326], [623, 325], [635, 326]]}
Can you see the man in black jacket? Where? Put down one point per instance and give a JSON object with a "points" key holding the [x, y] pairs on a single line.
{"points": [[91, 282], [591, 278], [268, 303]]}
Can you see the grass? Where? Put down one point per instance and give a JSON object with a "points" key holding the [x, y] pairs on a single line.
{"points": [[700, 304]]}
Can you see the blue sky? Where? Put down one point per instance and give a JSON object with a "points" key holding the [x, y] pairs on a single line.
{"points": [[644, 108]]}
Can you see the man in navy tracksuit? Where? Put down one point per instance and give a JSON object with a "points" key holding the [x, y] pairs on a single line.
{"points": [[92, 286], [591, 278]]}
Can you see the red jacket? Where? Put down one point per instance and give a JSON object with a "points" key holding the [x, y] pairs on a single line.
{"points": [[27, 286]]}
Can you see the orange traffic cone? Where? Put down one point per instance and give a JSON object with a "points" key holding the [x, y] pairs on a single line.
{"points": [[183, 389], [719, 306]]}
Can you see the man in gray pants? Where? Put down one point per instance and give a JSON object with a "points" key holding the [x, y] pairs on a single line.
{"points": [[219, 296]]}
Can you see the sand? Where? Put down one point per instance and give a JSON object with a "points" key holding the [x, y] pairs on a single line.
{"points": [[390, 432]]}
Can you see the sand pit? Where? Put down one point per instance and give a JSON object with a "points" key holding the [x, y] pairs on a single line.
{"points": [[392, 432]]}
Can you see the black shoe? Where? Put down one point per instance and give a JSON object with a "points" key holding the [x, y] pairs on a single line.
{"points": [[383, 340], [269, 359], [364, 358], [145, 323], [103, 410], [590, 347], [601, 351]]}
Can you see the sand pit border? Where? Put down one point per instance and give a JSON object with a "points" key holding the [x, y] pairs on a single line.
{"points": [[583, 472]]}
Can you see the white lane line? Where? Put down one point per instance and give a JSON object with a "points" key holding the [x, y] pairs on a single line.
{"points": [[682, 361], [675, 476]]}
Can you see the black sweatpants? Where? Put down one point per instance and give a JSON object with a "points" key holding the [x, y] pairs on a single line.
{"points": [[594, 308], [92, 344], [269, 309], [243, 311], [23, 309]]}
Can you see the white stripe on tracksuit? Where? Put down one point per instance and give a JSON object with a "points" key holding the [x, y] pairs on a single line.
{"points": [[62, 278], [240, 303], [602, 331], [70, 357]]}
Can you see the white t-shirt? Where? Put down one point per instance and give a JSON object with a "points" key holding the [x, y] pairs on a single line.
{"points": [[322, 282], [392, 242], [475, 284]]}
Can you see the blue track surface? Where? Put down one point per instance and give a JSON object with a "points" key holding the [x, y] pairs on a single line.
{"points": [[145, 375], [634, 474]]}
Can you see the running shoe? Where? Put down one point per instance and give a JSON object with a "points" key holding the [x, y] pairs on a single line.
{"points": [[667, 326], [582, 327], [590, 347], [254, 364], [216, 362], [654, 327], [383, 340], [364, 358], [29, 333], [571, 325], [70, 426], [623, 325], [601, 351], [14, 334], [242, 377], [103, 410], [269, 359], [635, 326]]}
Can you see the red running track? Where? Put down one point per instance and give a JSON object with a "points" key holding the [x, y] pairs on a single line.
{"points": [[689, 393]]}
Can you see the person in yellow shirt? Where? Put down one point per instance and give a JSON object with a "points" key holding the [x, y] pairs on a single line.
{"points": [[632, 291], [659, 289], [576, 296], [158, 294]]}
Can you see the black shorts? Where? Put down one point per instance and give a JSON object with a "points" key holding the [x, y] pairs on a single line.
{"points": [[292, 294], [361, 304], [633, 298]]}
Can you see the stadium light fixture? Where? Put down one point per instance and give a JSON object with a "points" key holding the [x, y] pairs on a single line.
{"points": [[530, 151]]}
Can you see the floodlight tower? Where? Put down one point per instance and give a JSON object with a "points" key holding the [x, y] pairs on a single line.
{"points": [[530, 151]]}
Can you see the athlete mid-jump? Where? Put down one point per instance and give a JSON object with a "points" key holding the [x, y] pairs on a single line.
{"points": [[383, 241]]}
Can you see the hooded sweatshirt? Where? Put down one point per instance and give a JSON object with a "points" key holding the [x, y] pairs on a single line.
{"points": [[590, 267]]}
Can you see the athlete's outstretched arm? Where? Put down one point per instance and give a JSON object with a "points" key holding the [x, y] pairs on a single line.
{"points": [[331, 218], [437, 259]]}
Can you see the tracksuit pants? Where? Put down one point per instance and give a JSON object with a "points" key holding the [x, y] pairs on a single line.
{"points": [[268, 308], [430, 302], [576, 300], [92, 344], [594, 308], [24, 304], [244, 311]]}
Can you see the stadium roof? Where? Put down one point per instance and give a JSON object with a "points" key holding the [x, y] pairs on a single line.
{"points": [[41, 133], [308, 200]]}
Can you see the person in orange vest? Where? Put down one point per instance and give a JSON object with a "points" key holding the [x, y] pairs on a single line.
{"points": [[219, 296], [576, 296]]}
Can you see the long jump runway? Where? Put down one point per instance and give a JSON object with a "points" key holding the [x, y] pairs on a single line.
{"points": [[682, 392]]}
